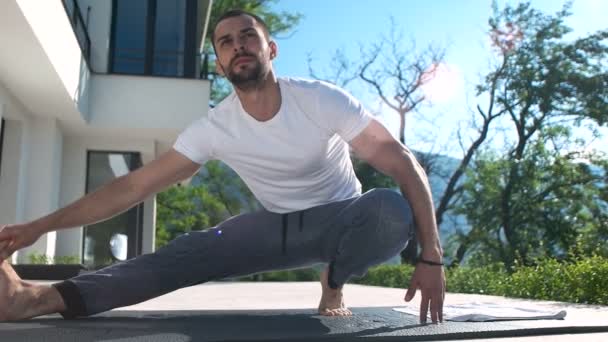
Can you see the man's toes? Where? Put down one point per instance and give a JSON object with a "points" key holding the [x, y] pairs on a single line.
{"points": [[327, 312], [345, 312], [335, 312]]}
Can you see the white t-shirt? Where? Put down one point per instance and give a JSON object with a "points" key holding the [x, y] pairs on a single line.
{"points": [[296, 160]]}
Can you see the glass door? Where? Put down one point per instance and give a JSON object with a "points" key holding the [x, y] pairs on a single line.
{"points": [[118, 238]]}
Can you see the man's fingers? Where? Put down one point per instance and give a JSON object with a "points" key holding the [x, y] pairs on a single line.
{"points": [[436, 304], [6, 237], [441, 311], [411, 292], [5, 233], [5, 249], [424, 306], [442, 301]]}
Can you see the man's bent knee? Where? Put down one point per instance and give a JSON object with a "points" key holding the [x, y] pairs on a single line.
{"points": [[385, 231], [396, 219]]}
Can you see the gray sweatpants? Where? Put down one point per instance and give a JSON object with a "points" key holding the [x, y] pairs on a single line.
{"points": [[350, 235]]}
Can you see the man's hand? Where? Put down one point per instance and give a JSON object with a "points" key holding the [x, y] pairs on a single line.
{"points": [[15, 237], [431, 282]]}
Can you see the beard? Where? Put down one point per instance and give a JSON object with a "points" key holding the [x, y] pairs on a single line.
{"points": [[248, 78]]}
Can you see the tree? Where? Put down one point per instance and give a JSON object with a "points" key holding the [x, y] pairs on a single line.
{"points": [[392, 71], [215, 194], [543, 84], [557, 202]]}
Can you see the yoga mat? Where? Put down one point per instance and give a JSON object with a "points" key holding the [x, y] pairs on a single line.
{"points": [[371, 324]]}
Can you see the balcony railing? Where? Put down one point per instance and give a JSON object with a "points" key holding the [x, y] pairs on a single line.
{"points": [[163, 61], [80, 27]]}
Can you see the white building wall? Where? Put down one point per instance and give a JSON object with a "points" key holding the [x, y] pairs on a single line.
{"points": [[120, 101], [9, 178], [13, 183], [41, 169], [40, 58], [51, 26], [73, 180]]}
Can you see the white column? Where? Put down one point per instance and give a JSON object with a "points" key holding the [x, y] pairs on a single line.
{"points": [[43, 142], [149, 225], [73, 183], [149, 216], [12, 181]]}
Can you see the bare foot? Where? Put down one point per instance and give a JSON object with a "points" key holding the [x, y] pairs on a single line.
{"points": [[21, 300], [332, 301]]}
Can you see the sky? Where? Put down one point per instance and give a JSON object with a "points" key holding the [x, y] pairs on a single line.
{"points": [[458, 26]]}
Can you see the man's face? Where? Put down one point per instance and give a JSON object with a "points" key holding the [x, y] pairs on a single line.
{"points": [[243, 51]]}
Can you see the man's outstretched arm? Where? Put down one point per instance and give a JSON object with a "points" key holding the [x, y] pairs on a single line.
{"points": [[109, 200], [378, 147]]}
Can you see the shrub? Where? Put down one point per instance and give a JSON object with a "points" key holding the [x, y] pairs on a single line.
{"points": [[481, 280], [582, 280], [387, 275], [43, 259]]}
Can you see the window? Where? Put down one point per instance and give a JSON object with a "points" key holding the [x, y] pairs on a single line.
{"points": [[130, 31], [120, 237], [169, 38], [154, 37]]}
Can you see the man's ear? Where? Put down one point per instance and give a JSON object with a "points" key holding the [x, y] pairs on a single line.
{"points": [[274, 49]]}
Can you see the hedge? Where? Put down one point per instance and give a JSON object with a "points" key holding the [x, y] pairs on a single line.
{"points": [[584, 280]]}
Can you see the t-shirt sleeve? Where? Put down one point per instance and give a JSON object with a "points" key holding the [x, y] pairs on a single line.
{"points": [[196, 142], [342, 113]]}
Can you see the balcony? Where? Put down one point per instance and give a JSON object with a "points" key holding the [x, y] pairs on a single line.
{"points": [[59, 58], [129, 102], [40, 60]]}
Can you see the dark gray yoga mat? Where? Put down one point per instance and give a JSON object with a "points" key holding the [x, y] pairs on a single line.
{"points": [[373, 324]]}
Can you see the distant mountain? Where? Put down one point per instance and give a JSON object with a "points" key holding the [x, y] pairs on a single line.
{"points": [[442, 169]]}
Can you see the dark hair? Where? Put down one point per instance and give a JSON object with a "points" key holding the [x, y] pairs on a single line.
{"points": [[235, 13]]}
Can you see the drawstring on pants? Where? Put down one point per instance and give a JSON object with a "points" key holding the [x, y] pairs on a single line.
{"points": [[285, 219], [284, 246]]}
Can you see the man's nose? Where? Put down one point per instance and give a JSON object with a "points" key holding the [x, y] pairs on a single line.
{"points": [[238, 47]]}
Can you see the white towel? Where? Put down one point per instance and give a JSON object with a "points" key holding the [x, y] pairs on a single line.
{"points": [[487, 312]]}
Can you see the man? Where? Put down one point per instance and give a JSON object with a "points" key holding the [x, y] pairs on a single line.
{"points": [[289, 141]]}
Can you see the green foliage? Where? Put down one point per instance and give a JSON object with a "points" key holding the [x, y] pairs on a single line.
{"points": [[371, 178], [277, 22], [488, 279], [545, 75], [215, 194], [388, 275], [555, 202], [583, 280], [43, 259], [542, 194]]}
